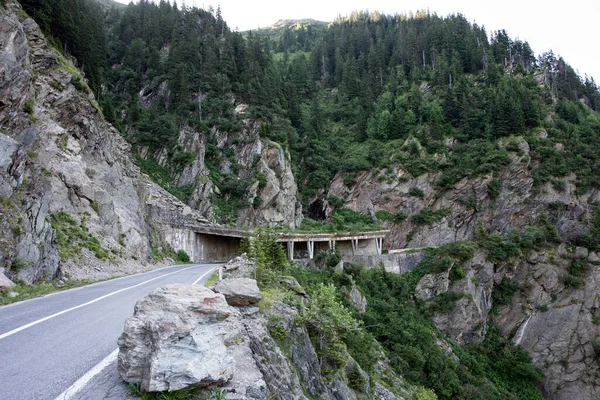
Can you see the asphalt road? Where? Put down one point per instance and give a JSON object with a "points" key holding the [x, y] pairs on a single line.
{"points": [[48, 344]]}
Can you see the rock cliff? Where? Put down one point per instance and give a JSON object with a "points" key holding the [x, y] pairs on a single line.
{"points": [[538, 303], [517, 203], [72, 201], [544, 300], [260, 166]]}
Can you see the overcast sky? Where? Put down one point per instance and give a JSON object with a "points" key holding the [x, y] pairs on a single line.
{"points": [[570, 28]]}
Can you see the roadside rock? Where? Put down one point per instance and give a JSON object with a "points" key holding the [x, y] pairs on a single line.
{"points": [[178, 337], [239, 292], [5, 283], [240, 267]]}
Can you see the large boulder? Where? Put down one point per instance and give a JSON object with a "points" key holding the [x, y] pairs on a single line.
{"points": [[239, 292], [179, 337], [5, 283]]}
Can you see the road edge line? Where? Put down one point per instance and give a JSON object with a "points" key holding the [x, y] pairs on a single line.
{"points": [[29, 325], [203, 275], [85, 379]]}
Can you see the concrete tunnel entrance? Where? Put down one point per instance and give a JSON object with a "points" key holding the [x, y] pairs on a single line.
{"points": [[216, 248]]}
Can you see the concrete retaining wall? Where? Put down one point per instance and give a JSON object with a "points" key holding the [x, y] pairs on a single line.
{"points": [[200, 246], [398, 263]]}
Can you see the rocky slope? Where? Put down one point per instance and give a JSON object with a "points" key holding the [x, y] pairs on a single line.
{"points": [[535, 302], [219, 339], [262, 166], [71, 199], [553, 311], [468, 202]]}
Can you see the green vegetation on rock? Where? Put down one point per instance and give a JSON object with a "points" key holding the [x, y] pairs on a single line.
{"points": [[73, 236]]}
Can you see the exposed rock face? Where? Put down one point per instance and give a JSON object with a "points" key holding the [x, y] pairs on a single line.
{"points": [[469, 201], [238, 292], [272, 196], [57, 154], [178, 337], [554, 322], [356, 298], [274, 200]]}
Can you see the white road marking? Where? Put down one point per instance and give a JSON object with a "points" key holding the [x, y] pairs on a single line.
{"points": [[29, 325], [81, 382], [100, 282], [84, 380], [198, 280]]}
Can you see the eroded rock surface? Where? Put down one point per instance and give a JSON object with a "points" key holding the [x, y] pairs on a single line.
{"points": [[178, 337], [238, 292]]}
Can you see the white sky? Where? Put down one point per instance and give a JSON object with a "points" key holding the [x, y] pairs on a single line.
{"points": [[569, 28]]}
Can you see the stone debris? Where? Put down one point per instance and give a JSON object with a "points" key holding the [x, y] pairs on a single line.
{"points": [[178, 337], [239, 292], [5, 283]]}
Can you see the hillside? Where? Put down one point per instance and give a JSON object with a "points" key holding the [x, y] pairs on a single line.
{"points": [[452, 137]]}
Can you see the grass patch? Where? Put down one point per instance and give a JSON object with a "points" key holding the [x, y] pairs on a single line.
{"points": [[73, 236], [429, 216], [214, 278], [27, 292]]}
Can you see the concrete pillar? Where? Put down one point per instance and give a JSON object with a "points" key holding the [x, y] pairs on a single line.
{"points": [[220, 274], [290, 248], [379, 245], [354, 246], [311, 249]]}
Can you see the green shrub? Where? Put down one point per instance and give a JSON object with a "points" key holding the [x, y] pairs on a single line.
{"points": [[335, 201], [576, 272], [182, 257], [262, 181], [416, 192], [463, 250], [29, 106], [456, 273], [494, 188], [328, 323], [384, 215], [423, 393], [348, 178], [356, 380], [18, 264], [503, 292], [73, 236], [270, 257], [429, 215]]}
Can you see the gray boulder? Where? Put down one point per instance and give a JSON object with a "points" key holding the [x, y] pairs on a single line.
{"points": [[239, 292], [5, 283], [179, 337]]}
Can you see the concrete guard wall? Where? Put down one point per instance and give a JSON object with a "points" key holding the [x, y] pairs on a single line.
{"points": [[399, 263], [202, 247]]}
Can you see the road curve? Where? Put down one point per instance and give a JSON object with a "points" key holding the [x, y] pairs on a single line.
{"points": [[49, 343]]}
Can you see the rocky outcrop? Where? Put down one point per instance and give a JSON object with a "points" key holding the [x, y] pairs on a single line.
{"points": [[5, 283], [271, 196], [178, 337], [59, 156], [186, 335], [238, 292], [469, 202], [553, 316]]}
